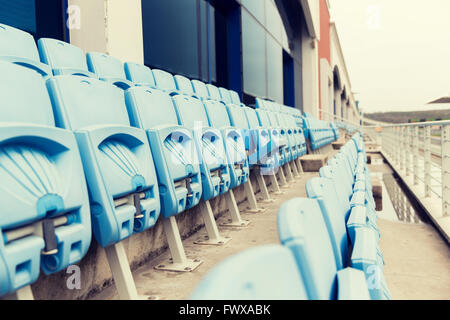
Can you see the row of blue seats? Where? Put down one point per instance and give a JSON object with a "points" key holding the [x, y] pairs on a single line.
{"points": [[83, 151], [319, 132], [329, 243]]}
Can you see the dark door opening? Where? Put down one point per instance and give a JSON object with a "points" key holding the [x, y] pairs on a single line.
{"points": [[288, 80]]}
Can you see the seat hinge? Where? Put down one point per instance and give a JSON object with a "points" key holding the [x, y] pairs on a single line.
{"points": [[48, 231]]}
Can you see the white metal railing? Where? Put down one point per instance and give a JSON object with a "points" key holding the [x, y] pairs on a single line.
{"points": [[422, 152]]}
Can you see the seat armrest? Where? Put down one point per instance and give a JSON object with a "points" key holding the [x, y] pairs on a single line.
{"points": [[365, 249], [356, 219], [352, 285]]}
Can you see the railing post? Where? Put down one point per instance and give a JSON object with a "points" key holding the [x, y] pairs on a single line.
{"points": [[408, 150], [415, 147], [392, 144], [397, 145], [402, 147], [427, 160], [445, 167]]}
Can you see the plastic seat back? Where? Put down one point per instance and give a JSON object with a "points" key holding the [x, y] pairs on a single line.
{"points": [[139, 74], [34, 107], [330, 173], [19, 47], [263, 273], [184, 85], [191, 112], [252, 118], [153, 108], [217, 114], [89, 102], [164, 80], [323, 190], [237, 117], [108, 68], [263, 118], [225, 96], [213, 92], [235, 99], [301, 228], [105, 66], [200, 89], [63, 57], [274, 120]]}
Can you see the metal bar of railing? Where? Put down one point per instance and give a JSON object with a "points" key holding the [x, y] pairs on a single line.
{"points": [[445, 164], [427, 157], [416, 148]]}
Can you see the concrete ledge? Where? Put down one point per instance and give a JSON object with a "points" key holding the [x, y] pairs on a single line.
{"points": [[313, 162]]}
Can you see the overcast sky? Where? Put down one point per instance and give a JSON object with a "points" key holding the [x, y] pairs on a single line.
{"points": [[397, 51]]}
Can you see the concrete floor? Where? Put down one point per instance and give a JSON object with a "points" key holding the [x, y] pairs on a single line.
{"points": [[417, 259], [416, 256]]}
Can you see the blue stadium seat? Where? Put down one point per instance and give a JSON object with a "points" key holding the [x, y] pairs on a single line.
{"points": [[263, 151], [263, 273], [275, 134], [18, 47], [213, 92], [173, 148], [184, 85], [285, 143], [108, 69], [64, 58], [235, 99], [239, 119], [302, 229], [225, 96], [139, 74], [165, 81], [233, 139], [116, 157], [297, 133], [335, 131], [214, 168], [289, 132], [200, 89], [260, 104], [45, 220]]}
